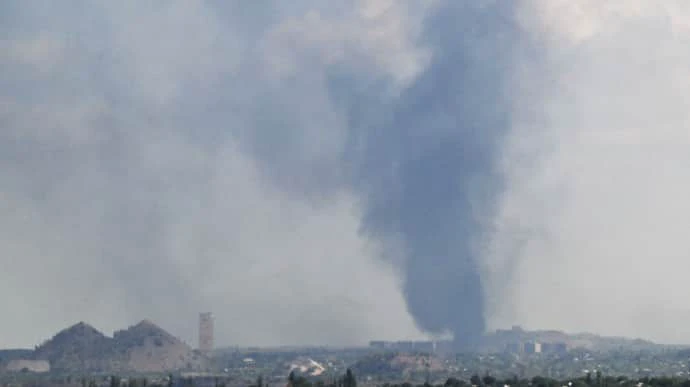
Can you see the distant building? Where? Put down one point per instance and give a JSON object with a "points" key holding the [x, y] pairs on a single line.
{"points": [[206, 332], [514, 347], [249, 362], [556, 347], [424, 346], [532, 347], [38, 366], [444, 346], [408, 346]]}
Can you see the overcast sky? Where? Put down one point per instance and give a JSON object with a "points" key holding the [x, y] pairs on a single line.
{"points": [[334, 172]]}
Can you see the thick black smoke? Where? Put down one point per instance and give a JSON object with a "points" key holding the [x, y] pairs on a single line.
{"points": [[429, 174]]}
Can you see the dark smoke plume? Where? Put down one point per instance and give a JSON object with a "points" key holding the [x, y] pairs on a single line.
{"points": [[428, 175], [423, 161]]}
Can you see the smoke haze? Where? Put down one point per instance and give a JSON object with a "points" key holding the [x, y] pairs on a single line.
{"points": [[590, 231], [162, 161], [320, 173]]}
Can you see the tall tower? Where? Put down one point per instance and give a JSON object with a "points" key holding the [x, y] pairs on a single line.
{"points": [[206, 332]]}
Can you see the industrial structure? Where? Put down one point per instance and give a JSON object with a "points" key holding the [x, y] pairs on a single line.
{"points": [[534, 347], [206, 332]]}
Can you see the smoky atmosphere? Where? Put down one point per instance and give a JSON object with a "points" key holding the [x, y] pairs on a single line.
{"points": [[337, 172]]}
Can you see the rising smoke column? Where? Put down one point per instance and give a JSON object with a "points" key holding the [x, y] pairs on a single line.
{"points": [[420, 157], [428, 174]]}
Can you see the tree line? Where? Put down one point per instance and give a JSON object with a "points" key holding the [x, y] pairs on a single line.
{"points": [[589, 380], [348, 380]]}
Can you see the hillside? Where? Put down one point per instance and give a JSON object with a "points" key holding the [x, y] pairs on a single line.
{"points": [[143, 347], [151, 349], [80, 346]]}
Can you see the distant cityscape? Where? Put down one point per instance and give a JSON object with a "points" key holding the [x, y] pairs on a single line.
{"points": [[447, 346], [146, 349], [206, 342]]}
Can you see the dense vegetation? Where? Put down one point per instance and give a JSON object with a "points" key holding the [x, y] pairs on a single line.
{"points": [[539, 381], [348, 380]]}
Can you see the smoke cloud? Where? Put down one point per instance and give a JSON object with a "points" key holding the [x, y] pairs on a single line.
{"points": [[333, 173], [429, 172], [590, 231], [158, 161]]}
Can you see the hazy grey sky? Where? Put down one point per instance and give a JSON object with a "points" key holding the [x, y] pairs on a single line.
{"points": [[593, 223], [161, 160], [314, 172]]}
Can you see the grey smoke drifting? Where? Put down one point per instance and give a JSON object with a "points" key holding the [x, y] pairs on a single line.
{"points": [[161, 161], [164, 160], [320, 172], [590, 232]]}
